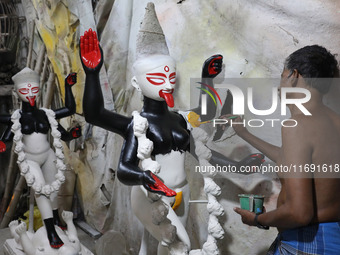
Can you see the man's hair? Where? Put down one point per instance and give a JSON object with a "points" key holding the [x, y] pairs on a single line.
{"points": [[314, 63]]}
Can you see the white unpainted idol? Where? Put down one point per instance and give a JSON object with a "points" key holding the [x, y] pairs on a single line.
{"points": [[167, 233], [34, 148], [37, 243], [160, 211]]}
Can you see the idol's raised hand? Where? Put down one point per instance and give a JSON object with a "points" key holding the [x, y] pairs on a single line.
{"points": [[2, 147], [71, 79], [212, 66], [76, 132], [90, 53]]}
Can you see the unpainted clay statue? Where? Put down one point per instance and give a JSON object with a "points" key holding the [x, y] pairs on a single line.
{"points": [[42, 167], [37, 243]]}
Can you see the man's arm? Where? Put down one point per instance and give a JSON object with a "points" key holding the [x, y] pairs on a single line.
{"points": [[217, 159], [269, 150], [297, 208]]}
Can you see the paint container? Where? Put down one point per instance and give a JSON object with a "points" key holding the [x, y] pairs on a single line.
{"points": [[251, 202]]}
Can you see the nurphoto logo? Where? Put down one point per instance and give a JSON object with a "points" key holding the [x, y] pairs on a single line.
{"points": [[240, 101]]}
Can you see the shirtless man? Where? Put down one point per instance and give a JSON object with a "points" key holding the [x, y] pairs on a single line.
{"points": [[308, 206]]}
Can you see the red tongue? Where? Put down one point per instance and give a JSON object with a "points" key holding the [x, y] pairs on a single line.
{"points": [[169, 99], [31, 100]]}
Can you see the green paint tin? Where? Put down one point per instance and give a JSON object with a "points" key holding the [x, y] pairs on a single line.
{"points": [[252, 203]]}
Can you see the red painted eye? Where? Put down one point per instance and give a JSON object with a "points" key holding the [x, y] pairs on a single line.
{"points": [[35, 89], [172, 78], [155, 81], [23, 91]]}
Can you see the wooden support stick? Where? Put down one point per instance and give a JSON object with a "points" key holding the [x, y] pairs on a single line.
{"points": [[40, 101], [13, 205], [50, 90], [40, 59], [30, 47], [44, 70]]}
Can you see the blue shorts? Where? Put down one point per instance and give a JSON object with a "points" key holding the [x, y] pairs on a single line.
{"points": [[321, 239]]}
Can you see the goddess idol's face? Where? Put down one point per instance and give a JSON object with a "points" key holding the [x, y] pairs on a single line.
{"points": [[158, 81], [28, 92]]}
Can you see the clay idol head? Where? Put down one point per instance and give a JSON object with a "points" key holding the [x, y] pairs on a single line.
{"points": [[154, 69], [26, 85]]}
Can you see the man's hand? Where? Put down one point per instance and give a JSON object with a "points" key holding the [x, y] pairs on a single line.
{"points": [[212, 66], [246, 216], [90, 52], [71, 79], [2, 147]]}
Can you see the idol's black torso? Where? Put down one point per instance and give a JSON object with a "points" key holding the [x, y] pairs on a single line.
{"points": [[33, 120], [167, 130]]}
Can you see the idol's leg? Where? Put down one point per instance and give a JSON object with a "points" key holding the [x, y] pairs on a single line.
{"points": [[143, 209]]}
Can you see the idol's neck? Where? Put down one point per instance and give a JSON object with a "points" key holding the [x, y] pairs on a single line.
{"points": [[155, 107], [26, 107]]}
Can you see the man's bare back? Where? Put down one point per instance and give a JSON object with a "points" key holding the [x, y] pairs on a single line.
{"points": [[321, 133]]}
